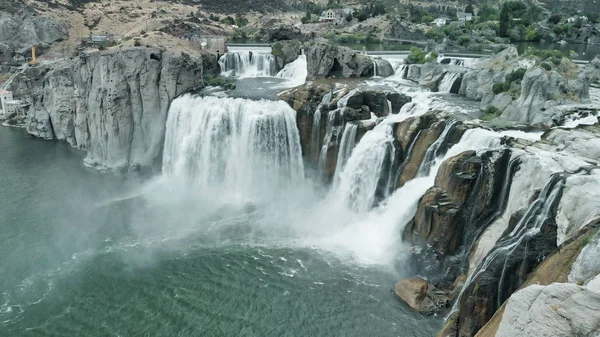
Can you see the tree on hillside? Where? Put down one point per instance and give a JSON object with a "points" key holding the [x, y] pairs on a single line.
{"points": [[555, 19], [504, 20], [469, 9]]}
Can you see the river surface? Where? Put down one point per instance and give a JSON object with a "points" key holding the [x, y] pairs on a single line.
{"points": [[82, 255]]}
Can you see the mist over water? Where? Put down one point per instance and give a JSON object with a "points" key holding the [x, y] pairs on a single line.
{"points": [[230, 240], [227, 241]]}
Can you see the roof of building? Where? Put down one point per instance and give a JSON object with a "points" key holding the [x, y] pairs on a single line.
{"points": [[463, 15], [442, 18], [3, 92], [335, 10]]}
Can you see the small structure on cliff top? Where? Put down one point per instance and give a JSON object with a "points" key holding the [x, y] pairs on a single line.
{"points": [[10, 106]]}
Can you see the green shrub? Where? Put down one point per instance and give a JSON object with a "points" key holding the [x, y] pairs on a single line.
{"points": [[214, 18], [543, 54], [416, 56], [137, 42], [516, 75], [490, 113], [215, 81], [228, 20], [277, 49], [240, 20], [501, 87], [546, 66]]}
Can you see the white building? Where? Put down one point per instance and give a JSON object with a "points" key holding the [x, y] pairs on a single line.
{"points": [[441, 21], [5, 97], [332, 15], [464, 17]]}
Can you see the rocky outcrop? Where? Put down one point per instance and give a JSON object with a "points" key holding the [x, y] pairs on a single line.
{"points": [[286, 52], [559, 309], [24, 32], [420, 295], [112, 104], [326, 60], [532, 98], [321, 103], [282, 33]]}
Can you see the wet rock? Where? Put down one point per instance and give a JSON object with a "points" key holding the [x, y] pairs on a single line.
{"points": [[398, 101]]}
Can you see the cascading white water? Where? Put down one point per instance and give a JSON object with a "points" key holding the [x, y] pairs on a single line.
{"points": [[331, 129], [234, 144], [248, 64], [448, 81], [346, 146], [296, 72], [529, 225], [316, 125], [358, 180]]}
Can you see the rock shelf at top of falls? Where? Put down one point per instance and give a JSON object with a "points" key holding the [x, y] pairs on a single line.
{"points": [[470, 211]]}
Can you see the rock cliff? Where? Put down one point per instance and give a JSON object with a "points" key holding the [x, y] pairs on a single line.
{"points": [[326, 60], [112, 104], [525, 88], [322, 105]]}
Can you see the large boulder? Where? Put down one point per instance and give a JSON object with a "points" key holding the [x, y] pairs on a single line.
{"points": [[556, 310], [541, 91], [112, 104], [412, 291], [326, 60], [286, 52], [282, 33]]}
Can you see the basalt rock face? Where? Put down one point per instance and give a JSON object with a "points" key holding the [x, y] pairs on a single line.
{"points": [[326, 60], [286, 52], [321, 105], [113, 105], [466, 197], [416, 135]]}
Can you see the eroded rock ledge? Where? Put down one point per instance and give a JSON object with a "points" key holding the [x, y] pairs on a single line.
{"points": [[112, 104]]}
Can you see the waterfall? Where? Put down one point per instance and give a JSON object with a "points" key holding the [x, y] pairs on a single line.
{"points": [[529, 226], [248, 64], [374, 68], [401, 71], [236, 145], [389, 103], [346, 146], [358, 180], [332, 129], [296, 72], [433, 150], [382, 68], [316, 125], [326, 141], [448, 81]]}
